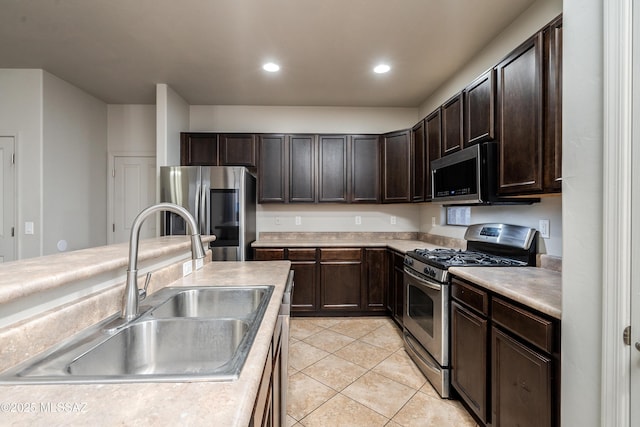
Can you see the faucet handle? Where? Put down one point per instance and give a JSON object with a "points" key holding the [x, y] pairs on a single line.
{"points": [[142, 293]]}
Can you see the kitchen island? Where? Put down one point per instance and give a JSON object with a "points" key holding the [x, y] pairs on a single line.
{"points": [[195, 403]]}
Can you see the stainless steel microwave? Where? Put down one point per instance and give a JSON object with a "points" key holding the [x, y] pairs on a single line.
{"points": [[469, 177]]}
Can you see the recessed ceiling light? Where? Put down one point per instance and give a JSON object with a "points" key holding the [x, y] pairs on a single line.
{"points": [[271, 67], [381, 68]]}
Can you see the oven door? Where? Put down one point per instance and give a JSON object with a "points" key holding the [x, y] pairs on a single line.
{"points": [[427, 315]]}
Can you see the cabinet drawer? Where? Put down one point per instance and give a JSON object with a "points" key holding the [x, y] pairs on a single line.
{"points": [[471, 296], [533, 328], [302, 254], [340, 254], [269, 254]]}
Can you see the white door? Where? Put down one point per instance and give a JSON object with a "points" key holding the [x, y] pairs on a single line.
{"points": [[134, 188], [634, 397], [7, 199]]}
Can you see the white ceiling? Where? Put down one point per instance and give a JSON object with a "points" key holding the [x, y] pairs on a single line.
{"points": [[211, 51]]}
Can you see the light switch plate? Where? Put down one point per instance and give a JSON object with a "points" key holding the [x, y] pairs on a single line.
{"points": [[28, 227]]}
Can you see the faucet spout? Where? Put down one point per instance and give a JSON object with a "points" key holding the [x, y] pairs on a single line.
{"points": [[131, 298]]}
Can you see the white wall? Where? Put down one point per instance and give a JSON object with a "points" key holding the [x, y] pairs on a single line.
{"points": [[172, 117], [21, 116], [526, 215], [582, 212], [227, 118], [74, 166], [131, 128], [533, 19], [338, 217]]}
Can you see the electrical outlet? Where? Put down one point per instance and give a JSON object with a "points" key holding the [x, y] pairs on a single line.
{"points": [[298, 220], [187, 268], [544, 228], [278, 220], [358, 220], [393, 219], [433, 221], [199, 263]]}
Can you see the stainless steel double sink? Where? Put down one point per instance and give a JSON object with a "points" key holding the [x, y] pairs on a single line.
{"points": [[183, 334]]}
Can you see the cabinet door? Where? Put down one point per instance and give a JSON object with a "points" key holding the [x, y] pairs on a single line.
{"points": [[237, 149], [553, 108], [396, 167], [452, 136], [469, 358], [332, 168], [433, 135], [340, 279], [302, 168], [365, 169], [521, 384], [418, 157], [519, 83], [398, 286], [305, 290], [198, 149], [479, 104], [375, 279], [273, 169]]}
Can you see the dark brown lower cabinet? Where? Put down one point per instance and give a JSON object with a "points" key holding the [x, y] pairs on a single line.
{"points": [[521, 384], [469, 358], [305, 292], [375, 263], [335, 281], [340, 279], [505, 359], [395, 290], [267, 407]]}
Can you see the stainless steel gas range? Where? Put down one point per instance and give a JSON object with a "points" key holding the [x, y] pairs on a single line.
{"points": [[427, 290]]}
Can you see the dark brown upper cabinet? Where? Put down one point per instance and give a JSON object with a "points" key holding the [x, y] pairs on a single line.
{"points": [[418, 163], [302, 168], [452, 125], [479, 104], [365, 169], [433, 138], [520, 116], [332, 168], [396, 167], [237, 149], [198, 149], [273, 169], [553, 107]]}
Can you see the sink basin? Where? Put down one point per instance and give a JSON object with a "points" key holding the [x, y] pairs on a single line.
{"points": [[183, 334], [159, 347], [212, 302]]}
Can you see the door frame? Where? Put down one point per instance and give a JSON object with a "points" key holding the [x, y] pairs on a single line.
{"points": [[110, 188], [617, 214], [16, 241]]}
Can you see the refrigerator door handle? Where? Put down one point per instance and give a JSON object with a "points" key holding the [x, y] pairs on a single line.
{"points": [[204, 216]]}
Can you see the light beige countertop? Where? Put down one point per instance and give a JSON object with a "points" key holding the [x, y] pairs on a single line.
{"points": [[36, 275], [401, 242], [160, 404], [538, 288]]}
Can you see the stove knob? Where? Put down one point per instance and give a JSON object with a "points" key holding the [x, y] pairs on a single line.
{"points": [[408, 261], [429, 272]]}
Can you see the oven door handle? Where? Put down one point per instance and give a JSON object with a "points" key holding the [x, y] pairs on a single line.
{"points": [[424, 281]]}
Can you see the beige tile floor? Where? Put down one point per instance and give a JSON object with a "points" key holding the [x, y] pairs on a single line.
{"points": [[353, 371]]}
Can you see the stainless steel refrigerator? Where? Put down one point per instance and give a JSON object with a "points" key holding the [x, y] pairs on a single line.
{"points": [[222, 199]]}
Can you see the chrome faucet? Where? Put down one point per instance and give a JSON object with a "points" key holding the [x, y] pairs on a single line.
{"points": [[132, 294]]}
